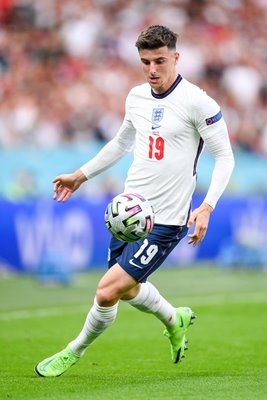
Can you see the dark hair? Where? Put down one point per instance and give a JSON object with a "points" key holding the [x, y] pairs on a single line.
{"points": [[156, 36]]}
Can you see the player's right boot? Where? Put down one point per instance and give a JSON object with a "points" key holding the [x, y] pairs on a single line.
{"points": [[57, 364], [176, 334]]}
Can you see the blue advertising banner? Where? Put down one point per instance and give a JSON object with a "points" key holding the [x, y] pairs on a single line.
{"points": [[73, 234], [33, 231]]}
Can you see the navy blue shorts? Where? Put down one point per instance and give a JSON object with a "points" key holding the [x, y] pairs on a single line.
{"points": [[140, 259]]}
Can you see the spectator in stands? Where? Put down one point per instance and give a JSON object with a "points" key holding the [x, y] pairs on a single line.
{"points": [[60, 62]]}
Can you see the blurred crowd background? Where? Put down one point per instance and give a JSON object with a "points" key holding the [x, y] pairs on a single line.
{"points": [[66, 67]]}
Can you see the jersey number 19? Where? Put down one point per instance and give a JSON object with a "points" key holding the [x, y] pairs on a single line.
{"points": [[156, 147]]}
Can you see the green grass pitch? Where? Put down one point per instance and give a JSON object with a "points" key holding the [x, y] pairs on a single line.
{"points": [[227, 356]]}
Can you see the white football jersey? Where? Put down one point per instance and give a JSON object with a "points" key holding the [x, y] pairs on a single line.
{"points": [[167, 132]]}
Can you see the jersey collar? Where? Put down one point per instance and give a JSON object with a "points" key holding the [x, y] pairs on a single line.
{"points": [[171, 88]]}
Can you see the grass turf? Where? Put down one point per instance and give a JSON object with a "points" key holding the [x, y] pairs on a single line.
{"points": [[227, 343]]}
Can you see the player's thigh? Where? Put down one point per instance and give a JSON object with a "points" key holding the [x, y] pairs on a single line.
{"points": [[140, 259], [114, 284]]}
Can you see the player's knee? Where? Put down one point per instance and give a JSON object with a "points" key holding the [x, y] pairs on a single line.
{"points": [[106, 296]]}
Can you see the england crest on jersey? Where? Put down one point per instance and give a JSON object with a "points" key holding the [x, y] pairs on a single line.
{"points": [[157, 114]]}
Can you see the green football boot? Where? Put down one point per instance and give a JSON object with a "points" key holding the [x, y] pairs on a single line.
{"points": [[176, 334], [57, 364]]}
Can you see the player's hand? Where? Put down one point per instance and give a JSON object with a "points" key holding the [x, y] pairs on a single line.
{"points": [[200, 217], [67, 184]]}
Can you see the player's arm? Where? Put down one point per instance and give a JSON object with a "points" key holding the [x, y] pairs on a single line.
{"points": [[121, 144], [113, 151], [216, 139]]}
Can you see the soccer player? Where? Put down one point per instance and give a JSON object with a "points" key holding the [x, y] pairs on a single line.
{"points": [[167, 122]]}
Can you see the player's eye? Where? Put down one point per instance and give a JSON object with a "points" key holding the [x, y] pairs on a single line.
{"points": [[160, 61]]}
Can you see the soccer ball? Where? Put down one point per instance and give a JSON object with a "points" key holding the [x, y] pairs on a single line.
{"points": [[129, 217]]}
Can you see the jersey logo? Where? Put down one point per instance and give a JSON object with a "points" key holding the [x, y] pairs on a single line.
{"points": [[157, 115], [215, 118], [133, 263]]}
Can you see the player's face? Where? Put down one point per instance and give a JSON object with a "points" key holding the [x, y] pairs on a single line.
{"points": [[159, 67]]}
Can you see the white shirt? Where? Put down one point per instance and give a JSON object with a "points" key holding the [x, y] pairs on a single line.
{"points": [[167, 132]]}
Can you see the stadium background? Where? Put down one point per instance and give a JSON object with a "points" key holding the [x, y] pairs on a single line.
{"points": [[66, 68]]}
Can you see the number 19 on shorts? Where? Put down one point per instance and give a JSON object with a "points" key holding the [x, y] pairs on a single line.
{"points": [[156, 147]]}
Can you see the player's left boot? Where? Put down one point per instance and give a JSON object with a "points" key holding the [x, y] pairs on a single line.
{"points": [[176, 334], [57, 364]]}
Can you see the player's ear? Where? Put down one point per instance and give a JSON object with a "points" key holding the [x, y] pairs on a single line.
{"points": [[176, 55]]}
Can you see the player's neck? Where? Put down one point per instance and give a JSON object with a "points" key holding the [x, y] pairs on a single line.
{"points": [[170, 88], [166, 86]]}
